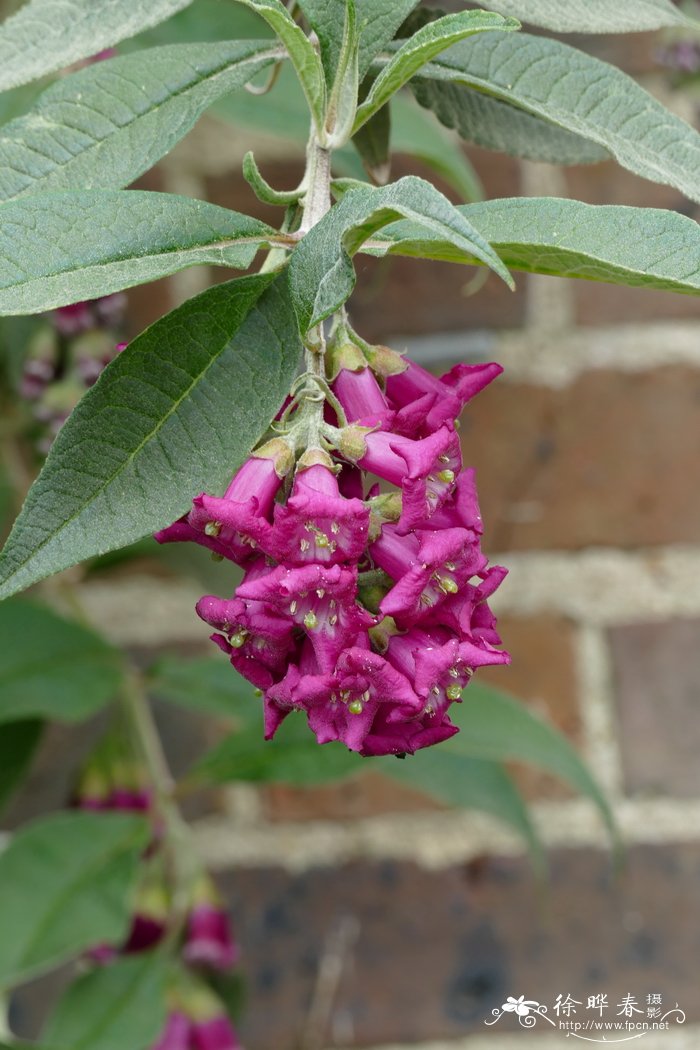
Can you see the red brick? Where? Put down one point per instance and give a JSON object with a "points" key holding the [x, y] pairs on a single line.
{"points": [[365, 795], [543, 675], [605, 461], [436, 951], [657, 680]]}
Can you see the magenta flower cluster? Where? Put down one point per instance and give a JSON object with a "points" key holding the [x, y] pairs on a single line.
{"points": [[363, 602]]}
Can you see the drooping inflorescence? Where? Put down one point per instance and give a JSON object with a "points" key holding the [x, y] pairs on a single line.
{"points": [[363, 601]]}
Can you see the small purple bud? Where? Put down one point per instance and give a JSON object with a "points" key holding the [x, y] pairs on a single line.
{"points": [[146, 932], [177, 1033], [69, 320], [209, 940], [215, 1034]]}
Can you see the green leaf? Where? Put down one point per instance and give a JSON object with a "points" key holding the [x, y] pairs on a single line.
{"points": [[51, 667], [58, 248], [65, 883], [18, 742], [469, 783], [497, 727], [301, 51], [321, 272], [176, 412], [293, 757], [499, 126], [107, 124], [372, 142], [583, 95], [112, 1007], [47, 35], [206, 684], [593, 16], [342, 102], [378, 21], [418, 133], [424, 45], [639, 247]]}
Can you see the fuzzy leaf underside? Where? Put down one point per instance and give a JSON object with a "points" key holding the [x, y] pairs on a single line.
{"points": [[47, 35], [593, 16], [426, 43], [497, 125], [376, 19], [638, 247], [579, 93]]}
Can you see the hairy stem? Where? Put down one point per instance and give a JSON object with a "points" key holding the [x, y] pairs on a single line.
{"points": [[317, 201], [177, 844]]}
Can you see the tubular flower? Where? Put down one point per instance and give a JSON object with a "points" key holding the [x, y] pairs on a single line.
{"points": [[197, 1019], [363, 605], [209, 940], [177, 1033], [235, 525]]}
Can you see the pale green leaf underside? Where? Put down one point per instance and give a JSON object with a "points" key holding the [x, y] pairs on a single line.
{"points": [[68, 676], [65, 881], [425, 44], [321, 272], [59, 248], [107, 124], [418, 133], [377, 21], [497, 125], [301, 51], [583, 95], [592, 16], [46, 35], [112, 1007], [645, 247], [174, 414]]}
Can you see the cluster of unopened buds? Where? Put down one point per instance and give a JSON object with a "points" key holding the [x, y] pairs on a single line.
{"points": [[363, 599], [66, 357], [197, 1018]]}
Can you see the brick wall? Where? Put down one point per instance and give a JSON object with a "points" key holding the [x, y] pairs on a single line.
{"points": [[369, 916]]}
